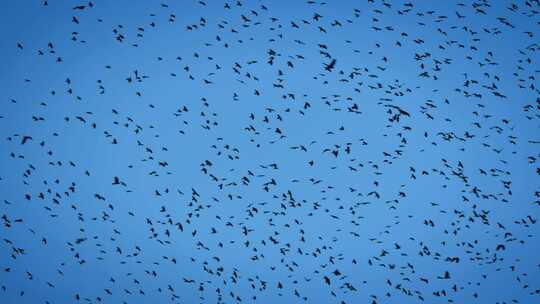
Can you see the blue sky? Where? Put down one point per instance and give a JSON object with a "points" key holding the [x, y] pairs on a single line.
{"points": [[398, 199]]}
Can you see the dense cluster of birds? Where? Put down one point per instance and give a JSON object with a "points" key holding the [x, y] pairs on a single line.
{"points": [[368, 151]]}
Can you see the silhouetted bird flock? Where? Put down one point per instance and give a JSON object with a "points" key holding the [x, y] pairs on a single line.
{"points": [[366, 151]]}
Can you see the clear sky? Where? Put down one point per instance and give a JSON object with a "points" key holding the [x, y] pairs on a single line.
{"points": [[269, 152]]}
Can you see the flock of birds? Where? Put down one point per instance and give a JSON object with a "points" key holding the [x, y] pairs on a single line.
{"points": [[243, 151]]}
